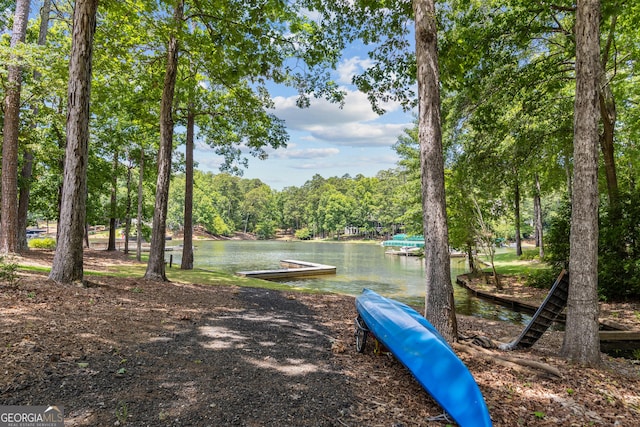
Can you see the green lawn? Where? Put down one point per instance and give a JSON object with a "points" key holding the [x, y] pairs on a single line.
{"points": [[508, 263], [175, 274]]}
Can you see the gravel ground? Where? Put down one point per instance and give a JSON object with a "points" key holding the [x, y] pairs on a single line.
{"points": [[139, 353]]}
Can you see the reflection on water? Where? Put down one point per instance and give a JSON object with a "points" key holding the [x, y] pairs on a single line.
{"points": [[358, 266]]}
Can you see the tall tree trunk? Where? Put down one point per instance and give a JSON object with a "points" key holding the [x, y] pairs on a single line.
{"points": [[114, 202], [10, 133], [127, 214], [470, 261], [27, 158], [62, 142], [439, 305], [23, 200], [581, 341], [187, 243], [608, 114], [537, 203], [67, 262], [140, 206], [536, 207], [517, 215], [155, 267], [86, 235], [568, 175]]}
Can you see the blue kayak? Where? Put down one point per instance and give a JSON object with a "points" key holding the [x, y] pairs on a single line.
{"points": [[427, 355]]}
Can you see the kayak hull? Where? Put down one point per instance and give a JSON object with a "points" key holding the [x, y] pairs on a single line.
{"points": [[427, 355]]}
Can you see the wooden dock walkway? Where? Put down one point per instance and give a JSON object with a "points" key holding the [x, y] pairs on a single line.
{"points": [[292, 268]]}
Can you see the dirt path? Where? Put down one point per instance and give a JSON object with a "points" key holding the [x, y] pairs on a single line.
{"points": [[132, 352]]}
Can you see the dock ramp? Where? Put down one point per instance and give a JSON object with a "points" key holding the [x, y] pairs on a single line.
{"points": [[548, 311]]}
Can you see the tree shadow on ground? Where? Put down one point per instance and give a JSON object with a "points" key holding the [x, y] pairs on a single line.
{"points": [[266, 364]]}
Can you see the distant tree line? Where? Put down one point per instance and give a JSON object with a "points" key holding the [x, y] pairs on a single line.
{"points": [[369, 207]]}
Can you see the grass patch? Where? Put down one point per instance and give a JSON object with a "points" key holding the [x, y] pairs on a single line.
{"points": [[508, 263], [120, 271], [199, 276], [217, 278], [34, 268]]}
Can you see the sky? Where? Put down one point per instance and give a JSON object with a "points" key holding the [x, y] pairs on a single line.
{"points": [[325, 139]]}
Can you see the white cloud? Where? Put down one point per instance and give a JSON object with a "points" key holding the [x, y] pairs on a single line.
{"points": [[353, 125], [321, 111], [360, 134], [306, 153], [207, 161], [352, 163], [350, 67]]}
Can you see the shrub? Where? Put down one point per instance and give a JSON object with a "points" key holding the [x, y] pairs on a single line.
{"points": [[530, 255], [619, 250], [42, 243], [557, 248], [9, 271], [146, 231], [303, 234], [543, 278], [220, 227], [618, 247], [265, 230]]}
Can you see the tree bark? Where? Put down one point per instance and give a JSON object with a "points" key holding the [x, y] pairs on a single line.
{"points": [[10, 132], [472, 265], [155, 267], [568, 174], [140, 206], [608, 114], [114, 201], [67, 262], [581, 342], [439, 304], [27, 158], [127, 214], [517, 215], [86, 235], [537, 203], [23, 200], [187, 242]]}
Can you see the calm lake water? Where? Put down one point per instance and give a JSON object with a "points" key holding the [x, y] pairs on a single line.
{"points": [[358, 266]]}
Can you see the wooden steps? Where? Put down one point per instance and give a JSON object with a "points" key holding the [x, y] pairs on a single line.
{"points": [[547, 313]]}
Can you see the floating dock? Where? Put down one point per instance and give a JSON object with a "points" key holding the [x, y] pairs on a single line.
{"points": [[292, 268], [405, 251], [402, 240]]}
